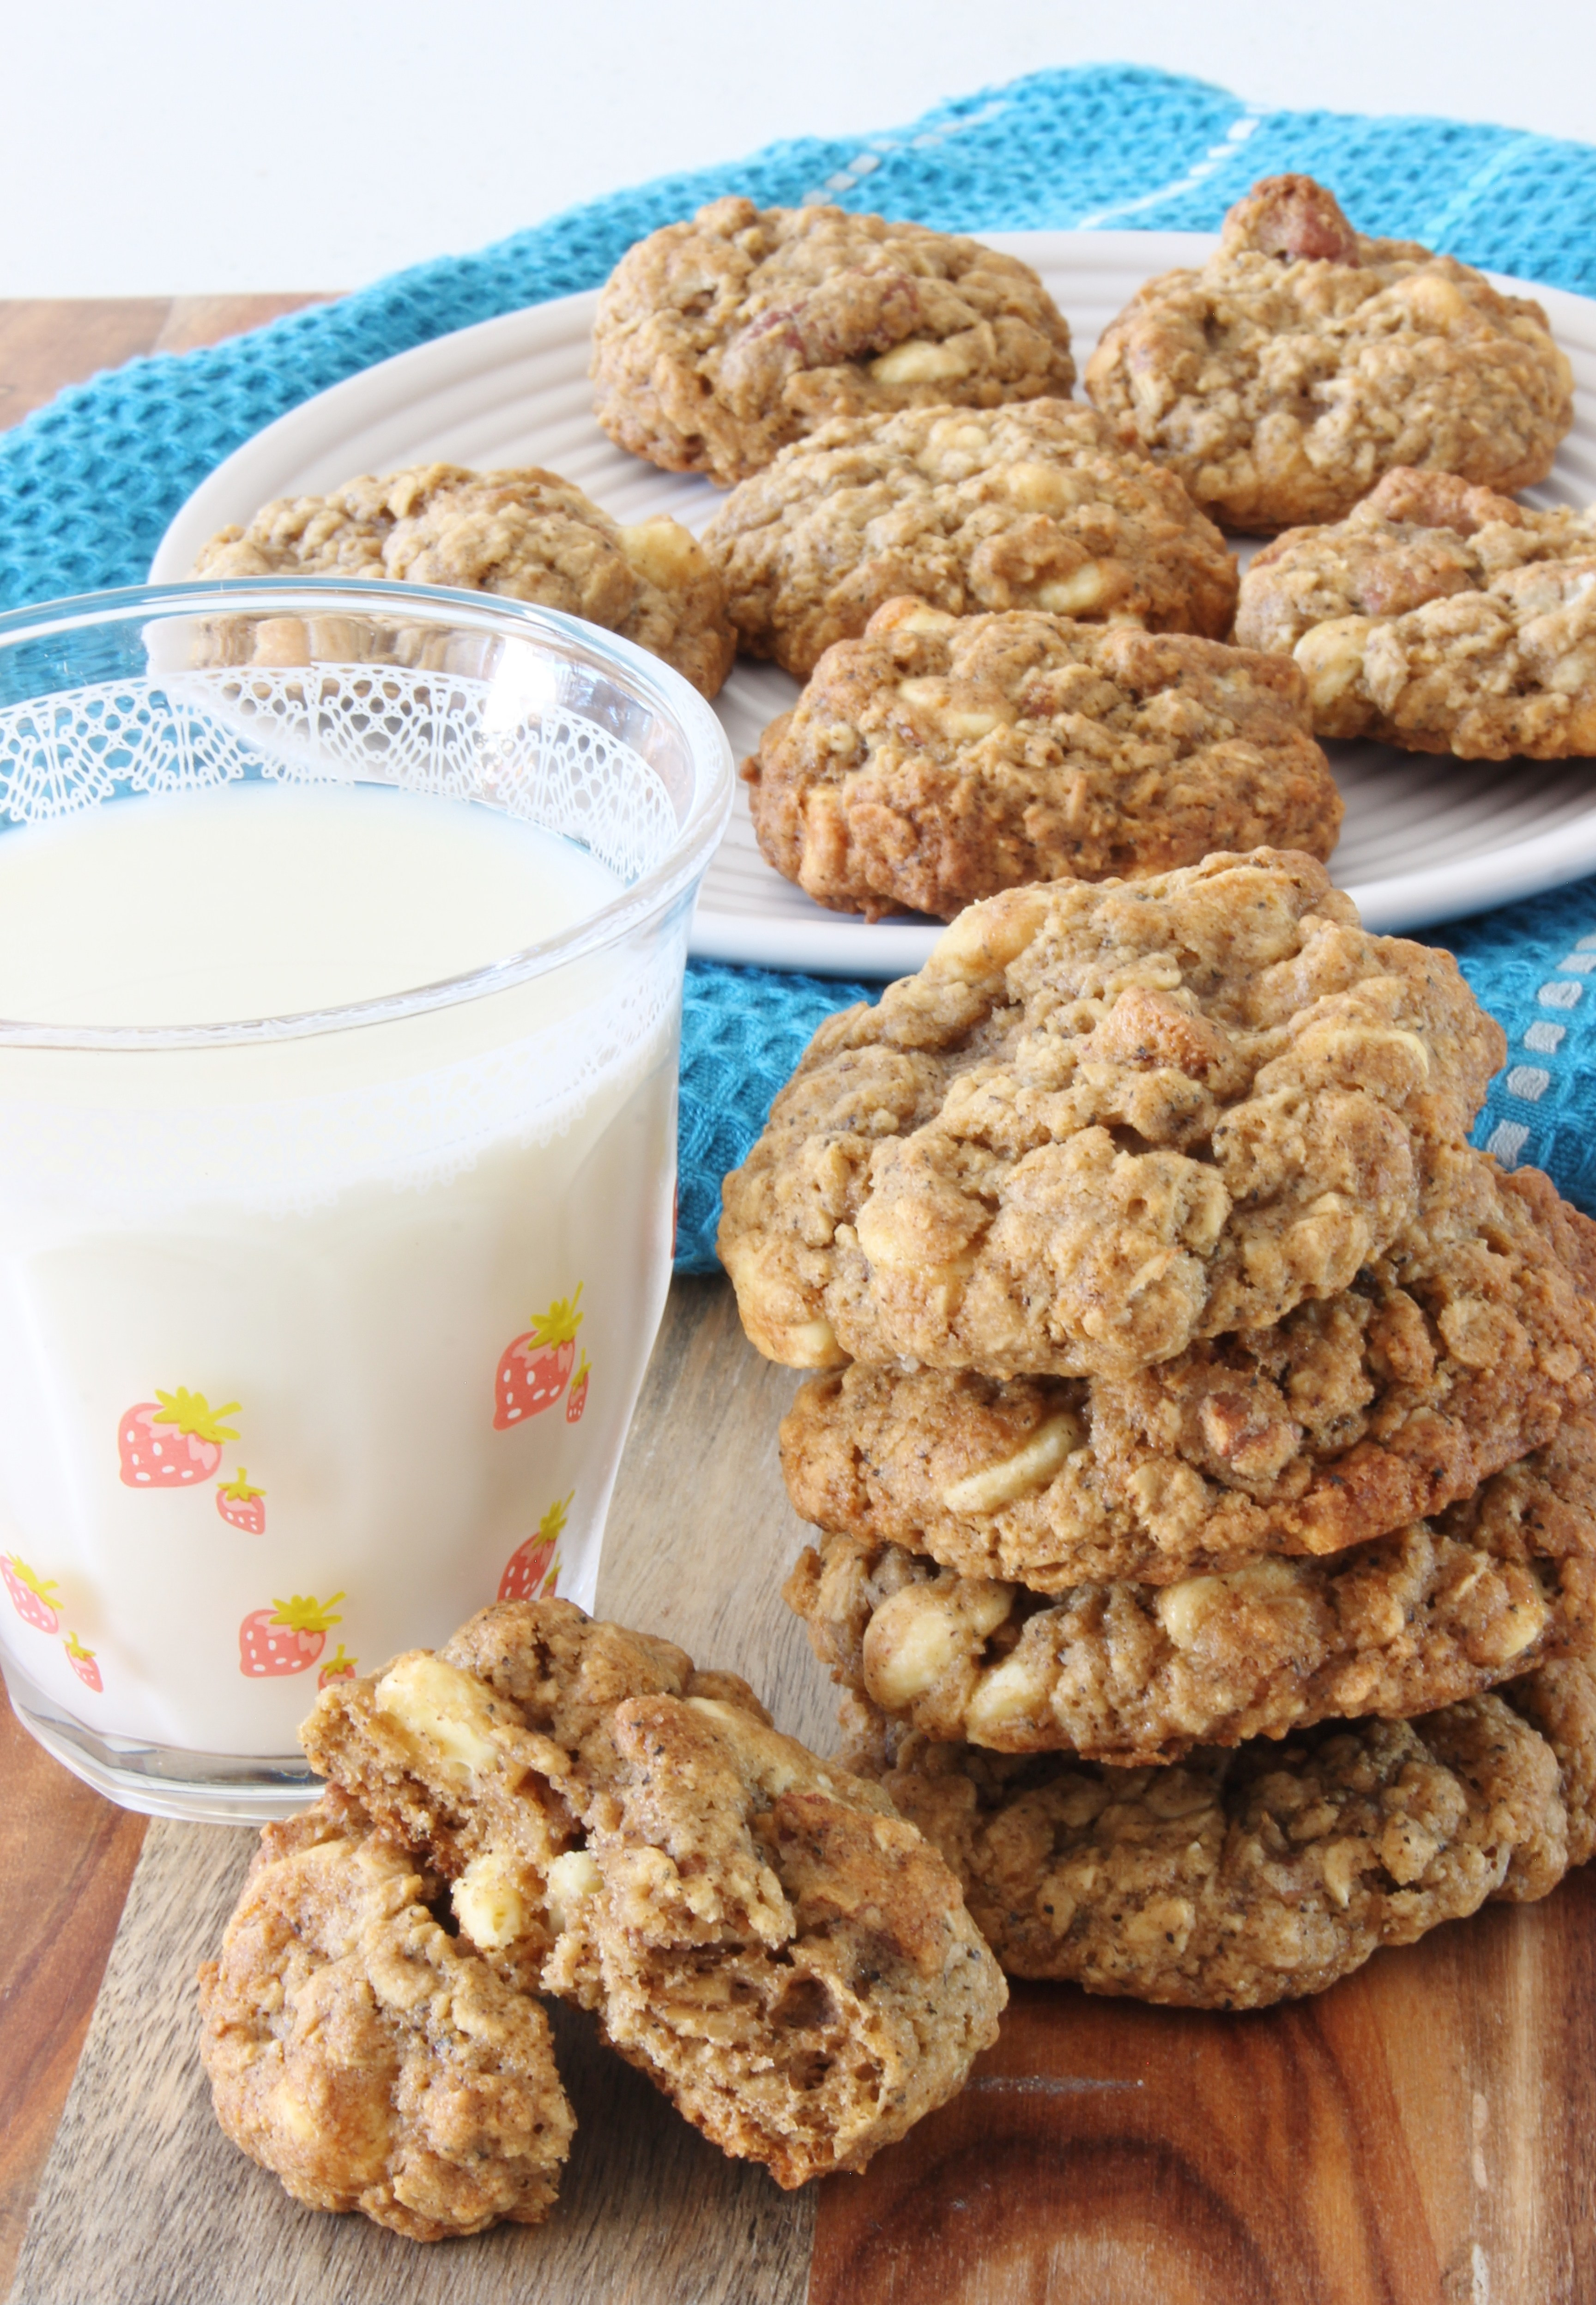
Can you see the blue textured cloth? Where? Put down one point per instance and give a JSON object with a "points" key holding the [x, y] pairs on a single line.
{"points": [[89, 484]]}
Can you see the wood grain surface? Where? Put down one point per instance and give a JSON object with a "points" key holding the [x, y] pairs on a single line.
{"points": [[46, 343]]}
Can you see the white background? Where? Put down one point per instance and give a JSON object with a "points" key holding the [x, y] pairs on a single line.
{"points": [[173, 146]]}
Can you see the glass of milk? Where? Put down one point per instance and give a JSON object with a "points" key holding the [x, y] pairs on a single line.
{"points": [[342, 937]]}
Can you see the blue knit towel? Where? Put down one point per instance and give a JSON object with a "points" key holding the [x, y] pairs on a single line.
{"points": [[89, 484]]}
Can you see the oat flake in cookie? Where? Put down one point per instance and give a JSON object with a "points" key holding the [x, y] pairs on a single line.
{"points": [[366, 2056], [1440, 617], [718, 341], [1103, 1121], [754, 1929], [1442, 1611], [938, 759], [1442, 1364], [1239, 1878], [1033, 506], [1303, 360], [523, 535]]}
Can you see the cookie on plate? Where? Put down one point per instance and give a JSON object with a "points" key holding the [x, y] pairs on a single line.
{"points": [[1032, 506], [1443, 1610], [938, 759], [1302, 360], [524, 535], [1102, 1121], [718, 341], [366, 2056], [1440, 617], [753, 1928], [1443, 1363], [1238, 1878]]}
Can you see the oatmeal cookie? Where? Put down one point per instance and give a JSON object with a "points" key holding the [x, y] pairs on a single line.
{"points": [[938, 759], [1103, 1121], [1239, 1878], [1303, 360], [754, 1928], [718, 341], [524, 535], [1443, 1363], [1443, 1610], [1031, 506], [1439, 617], [364, 2055], [1559, 1701]]}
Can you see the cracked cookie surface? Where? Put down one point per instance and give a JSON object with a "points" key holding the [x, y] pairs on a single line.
{"points": [[1439, 617], [1445, 1361], [1442, 1610], [938, 759], [753, 1928], [1283, 377], [1034, 505], [1103, 1121], [368, 2060], [524, 535], [719, 340], [1236, 1879]]}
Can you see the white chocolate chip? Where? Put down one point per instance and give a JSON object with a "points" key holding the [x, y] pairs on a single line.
{"points": [[661, 550], [446, 1711], [488, 1901], [1075, 595], [917, 361], [919, 1634], [1008, 1692], [572, 1878], [1028, 1468], [1182, 1609]]}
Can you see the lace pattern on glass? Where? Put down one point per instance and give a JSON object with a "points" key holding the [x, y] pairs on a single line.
{"points": [[426, 731]]}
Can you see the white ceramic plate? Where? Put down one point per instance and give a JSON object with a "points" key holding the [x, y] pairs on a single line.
{"points": [[1425, 840]]}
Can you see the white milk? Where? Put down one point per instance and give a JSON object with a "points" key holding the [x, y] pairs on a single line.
{"points": [[309, 1347]]}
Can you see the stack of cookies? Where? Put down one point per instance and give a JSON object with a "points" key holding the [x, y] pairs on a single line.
{"points": [[1204, 1436]]}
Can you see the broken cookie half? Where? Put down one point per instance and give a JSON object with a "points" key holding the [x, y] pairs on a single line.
{"points": [[367, 2057]]}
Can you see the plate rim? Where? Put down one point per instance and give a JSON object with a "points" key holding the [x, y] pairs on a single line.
{"points": [[838, 945]]}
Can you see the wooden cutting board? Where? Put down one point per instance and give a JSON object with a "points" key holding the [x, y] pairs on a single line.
{"points": [[1419, 2136]]}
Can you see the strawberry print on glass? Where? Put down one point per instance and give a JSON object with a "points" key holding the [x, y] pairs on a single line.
{"points": [[528, 1574], [32, 1597], [533, 1370], [287, 1638], [172, 1440]]}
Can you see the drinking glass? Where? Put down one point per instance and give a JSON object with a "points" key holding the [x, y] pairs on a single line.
{"points": [[319, 1331]]}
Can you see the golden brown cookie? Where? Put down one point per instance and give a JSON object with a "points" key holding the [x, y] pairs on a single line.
{"points": [[779, 1952], [1302, 360], [1447, 1360], [1033, 506], [754, 1928], [719, 340], [938, 759], [1440, 617], [1239, 1878], [1445, 1609], [1104, 1121], [364, 2055], [523, 535]]}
